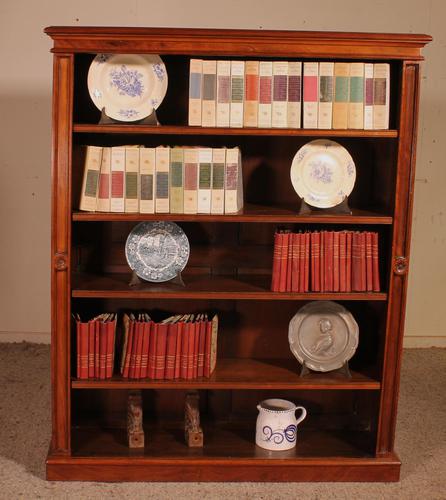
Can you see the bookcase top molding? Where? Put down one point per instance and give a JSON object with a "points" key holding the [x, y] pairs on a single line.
{"points": [[230, 42]]}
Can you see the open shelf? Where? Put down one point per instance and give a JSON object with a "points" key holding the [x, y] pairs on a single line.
{"points": [[245, 374], [250, 213], [188, 130], [201, 286]]}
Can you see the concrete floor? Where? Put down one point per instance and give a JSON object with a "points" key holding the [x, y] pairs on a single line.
{"points": [[25, 431]]}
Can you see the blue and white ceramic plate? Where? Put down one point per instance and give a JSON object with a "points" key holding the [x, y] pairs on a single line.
{"points": [[128, 86], [323, 173], [157, 251]]}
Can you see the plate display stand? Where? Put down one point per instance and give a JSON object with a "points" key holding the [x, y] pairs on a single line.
{"points": [[176, 280], [148, 120], [344, 371], [340, 209]]}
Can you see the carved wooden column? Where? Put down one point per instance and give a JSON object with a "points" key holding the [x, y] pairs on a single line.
{"points": [[135, 431], [192, 430]]}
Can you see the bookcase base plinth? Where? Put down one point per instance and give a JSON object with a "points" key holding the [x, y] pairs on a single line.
{"points": [[382, 469]]}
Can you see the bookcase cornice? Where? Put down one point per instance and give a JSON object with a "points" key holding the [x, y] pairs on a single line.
{"points": [[256, 43]]}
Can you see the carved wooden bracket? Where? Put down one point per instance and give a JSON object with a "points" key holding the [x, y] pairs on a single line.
{"points": [[400, 265], [135, 431], [60, 262], [192, 430]]}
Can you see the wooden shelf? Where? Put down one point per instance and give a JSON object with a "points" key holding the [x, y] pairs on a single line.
{"points": [[245, 374], [201, 286], [188, 130], [250, 213]]}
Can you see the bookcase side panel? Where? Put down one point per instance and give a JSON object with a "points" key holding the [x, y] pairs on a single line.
{"points": [[400, 256], [60, 252]]}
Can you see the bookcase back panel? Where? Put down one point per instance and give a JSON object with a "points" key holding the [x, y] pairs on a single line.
{"points": [[266, 163], [219, 249], [174, 108], [247, 330]]}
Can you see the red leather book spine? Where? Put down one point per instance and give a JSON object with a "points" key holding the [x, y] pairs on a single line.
{"points": [[134, 354], [312, 257], [317, 252], [83, 350], [78, 349], [289, 266], [348, 266], [329, 261], [184, 350], [207, 356], [179, 343], [375, 262], [284, 262], [190, 350], [160, 353], [356, 262], [146, 327], [102, 349], [276, 262], [295, 262], [111, 329], [336, 261], [369, 263], [152, 350], [322, 262], [97, 349], [128, 354], [306, 237], [342, 261], [201, 348], [363, 262], [170, 351], [196, 347], [91, 348], [301, 262]]}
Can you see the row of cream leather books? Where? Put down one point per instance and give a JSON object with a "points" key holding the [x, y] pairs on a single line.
{"points": [[181, 180], [289, 94]]}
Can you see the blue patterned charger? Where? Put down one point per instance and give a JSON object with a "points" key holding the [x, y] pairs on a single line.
{"points": [[157, 251], [128, 86]]}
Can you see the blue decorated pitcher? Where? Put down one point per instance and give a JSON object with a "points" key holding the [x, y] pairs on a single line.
{"points": [[277, 424]]}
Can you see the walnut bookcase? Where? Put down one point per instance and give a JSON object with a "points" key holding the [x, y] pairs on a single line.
{"points": [[349, 433]]}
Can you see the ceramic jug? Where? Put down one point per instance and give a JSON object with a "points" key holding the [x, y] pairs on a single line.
{"points": [[277, 424]]}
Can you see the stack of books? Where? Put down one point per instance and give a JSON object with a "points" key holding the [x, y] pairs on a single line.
{"points": [[95, 347], [289, 94], [182, 346], [325, 261], [179, 180]]}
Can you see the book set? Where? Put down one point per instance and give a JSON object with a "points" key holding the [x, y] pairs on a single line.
{"points": [[181, 180], [325, 261], [179, 347], [95, 343], [289, 94]]}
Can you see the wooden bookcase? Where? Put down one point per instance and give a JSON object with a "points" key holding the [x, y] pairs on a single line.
{"points": [[349, 433]]}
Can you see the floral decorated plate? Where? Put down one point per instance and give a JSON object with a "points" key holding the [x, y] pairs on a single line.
{"points": [[323, 173], [128, 86], [324, 335], [157, 251]]}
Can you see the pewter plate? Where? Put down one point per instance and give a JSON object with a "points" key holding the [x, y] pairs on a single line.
{"points": [[323, 335], [157, 251], [323, 173]]}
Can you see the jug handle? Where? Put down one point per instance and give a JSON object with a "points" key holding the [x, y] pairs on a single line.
{"points": [[302, 417]]}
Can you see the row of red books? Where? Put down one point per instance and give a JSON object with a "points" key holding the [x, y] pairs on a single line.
{"points": [[95, 346], [182, 346], [325, 261]]}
